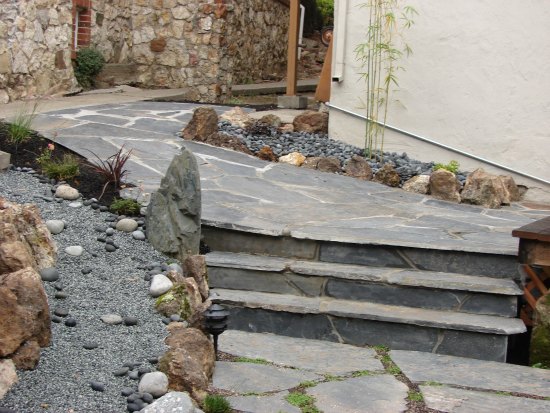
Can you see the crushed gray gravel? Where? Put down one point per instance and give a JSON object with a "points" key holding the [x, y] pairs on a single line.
{"points": [[320, 144], [62, 382]]}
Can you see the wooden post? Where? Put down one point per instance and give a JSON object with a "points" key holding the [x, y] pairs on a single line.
{"points": [[294, 27]]}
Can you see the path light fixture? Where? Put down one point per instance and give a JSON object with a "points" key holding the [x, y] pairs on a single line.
{"points": [[215, 322]]}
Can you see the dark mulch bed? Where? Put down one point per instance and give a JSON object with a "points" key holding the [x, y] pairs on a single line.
{"points": [[88, 182]]}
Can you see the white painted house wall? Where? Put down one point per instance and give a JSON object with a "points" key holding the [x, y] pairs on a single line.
{"points": [[478, 80]]}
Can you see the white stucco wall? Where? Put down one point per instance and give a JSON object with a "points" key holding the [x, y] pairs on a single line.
{"points": [[478, 80]]}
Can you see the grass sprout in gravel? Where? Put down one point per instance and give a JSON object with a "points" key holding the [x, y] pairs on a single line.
{"points": [[116, 285]]}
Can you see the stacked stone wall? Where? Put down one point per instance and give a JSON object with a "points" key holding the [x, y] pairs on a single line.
{"points": [[35, 54], [257, 39]]}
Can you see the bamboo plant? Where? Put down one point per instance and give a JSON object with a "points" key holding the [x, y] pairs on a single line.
{"points": [[379, 57]]}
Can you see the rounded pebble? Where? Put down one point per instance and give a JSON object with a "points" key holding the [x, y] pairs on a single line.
{"points": [[49, 274], [70, 322], [97, 386], [74, 250], [61, 312], [90, 345], [127, 225], [111, 319], [55, 226], [130, 321]]}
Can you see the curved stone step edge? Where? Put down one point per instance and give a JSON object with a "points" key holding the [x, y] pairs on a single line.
{"points": [[371, 311], [395, 276]]}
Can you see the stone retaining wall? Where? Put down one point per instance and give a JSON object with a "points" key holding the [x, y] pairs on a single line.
{"points": [[203, 46], [257, 39], [35, 57]]}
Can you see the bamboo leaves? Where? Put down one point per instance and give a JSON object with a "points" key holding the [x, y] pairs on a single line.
{"points": [[379, 55]]}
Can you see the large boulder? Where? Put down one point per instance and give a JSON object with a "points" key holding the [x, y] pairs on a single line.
{"points": [[540, 338], [329, 164], [189, 363], [358, 167], [174, 213], [311, 121], [202, 125], [25, 241], [24, 317], [444, 185], [419, 184], [387, 175], [512, 191], [485, 189], [237, 117], [173, 402]]}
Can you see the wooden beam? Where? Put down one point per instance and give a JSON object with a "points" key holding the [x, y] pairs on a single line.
{"points": [[292, 60]]}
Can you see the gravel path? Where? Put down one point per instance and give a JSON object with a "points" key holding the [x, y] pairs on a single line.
{"points": [[61, 382]]}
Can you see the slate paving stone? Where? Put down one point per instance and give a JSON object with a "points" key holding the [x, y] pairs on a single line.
{"points": [[488, 375], [319, 357], [453, 400], [366, 394], [257, 378], [263, 404]]}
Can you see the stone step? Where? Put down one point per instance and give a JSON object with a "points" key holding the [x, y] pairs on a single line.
{"points": [[488, 263], [393, 286], [363, 323]]}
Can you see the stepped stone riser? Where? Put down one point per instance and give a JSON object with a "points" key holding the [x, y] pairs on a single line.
{"points": [[315, 286], [469, 263], [361, 332]]}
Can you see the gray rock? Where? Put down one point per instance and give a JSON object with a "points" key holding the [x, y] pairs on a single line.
{"points": [[155, 383], [75, 204], [452, 400], [319, 357], [173, 402], [139, 235], [257, 378], [174, 214], [49, 274], [126, 225], [66, 192], [55, 226], [74, 250], [266, 404], [458, 371], [379, 393], [111, 319], [175, 267], [160, 284]]}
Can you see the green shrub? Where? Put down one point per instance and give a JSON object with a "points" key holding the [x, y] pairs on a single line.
{"points": [[88, 63], [326, 7], [64, 169], [451, 166], [125, 206], [215, 404]]}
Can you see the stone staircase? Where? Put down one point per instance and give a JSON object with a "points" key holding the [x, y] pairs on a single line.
{"points": [[441, 301]]}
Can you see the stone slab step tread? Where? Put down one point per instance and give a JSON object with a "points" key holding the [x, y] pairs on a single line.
{"points": [[403, 277], [370, 311]]}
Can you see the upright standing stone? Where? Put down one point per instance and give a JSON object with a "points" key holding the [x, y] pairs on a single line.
{"points": [[174, 214]]}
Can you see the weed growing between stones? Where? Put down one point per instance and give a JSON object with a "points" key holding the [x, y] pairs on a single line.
{"points": [[415, 396], [362, 373], [305, 402], [451, 166], [216, 404], [251, 360]]}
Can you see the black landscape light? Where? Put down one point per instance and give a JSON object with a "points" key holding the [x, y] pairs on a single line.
{"points": [[215, 322]]}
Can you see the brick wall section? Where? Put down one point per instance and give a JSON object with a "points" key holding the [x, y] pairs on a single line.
{"points": [[82, 15]]}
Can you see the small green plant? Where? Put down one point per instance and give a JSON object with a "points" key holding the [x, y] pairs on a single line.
{"points": [[305, 402], [330, 377], [59, 169], [307, 383], [415, 396], [19, 129], [125, 206], [451, 166], [326, 7], [112, 169], [215, 404], [251, 360], [361, 373], [432, 383], [541, 366], [88, 63]]}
